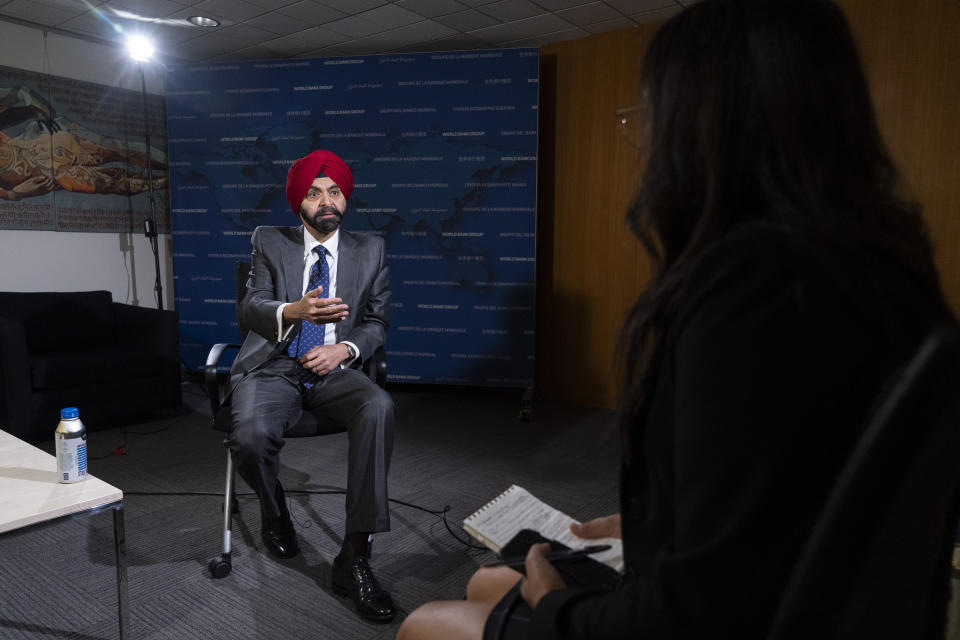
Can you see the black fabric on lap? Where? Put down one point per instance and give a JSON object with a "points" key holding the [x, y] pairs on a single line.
{"points": [[511, 615], [581, 572]]}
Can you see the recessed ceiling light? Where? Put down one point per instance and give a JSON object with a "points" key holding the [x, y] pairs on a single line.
{"points": [[203, 21]]}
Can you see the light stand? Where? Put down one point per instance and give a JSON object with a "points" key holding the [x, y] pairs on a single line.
{"points": [[150, 226]]}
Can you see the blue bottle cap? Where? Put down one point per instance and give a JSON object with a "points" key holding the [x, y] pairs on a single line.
{"points": [[69, 412]]}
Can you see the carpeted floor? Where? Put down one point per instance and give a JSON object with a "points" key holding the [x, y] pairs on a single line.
{"points": [[456, 447]]}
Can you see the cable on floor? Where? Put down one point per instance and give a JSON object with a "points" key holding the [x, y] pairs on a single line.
{"points": [[440, 513], [121, 449]]}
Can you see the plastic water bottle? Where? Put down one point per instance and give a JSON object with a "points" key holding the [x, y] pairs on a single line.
{"points": [[71, 445]]}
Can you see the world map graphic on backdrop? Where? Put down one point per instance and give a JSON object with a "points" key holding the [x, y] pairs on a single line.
{"points": [[73, 155], [443, 151]]}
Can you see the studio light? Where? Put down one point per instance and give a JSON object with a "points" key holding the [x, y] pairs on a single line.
{"points": [[140, 48]]}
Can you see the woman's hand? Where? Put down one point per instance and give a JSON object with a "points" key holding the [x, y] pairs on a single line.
{"points": [[605, 527], [541, 577]]}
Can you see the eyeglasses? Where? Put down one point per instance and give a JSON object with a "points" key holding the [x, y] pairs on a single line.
{"points": [[632, 121]]}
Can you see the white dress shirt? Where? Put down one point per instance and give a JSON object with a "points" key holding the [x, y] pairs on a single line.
{"points": [[310, 258]]}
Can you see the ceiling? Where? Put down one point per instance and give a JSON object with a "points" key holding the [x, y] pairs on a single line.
{"points": [[265, 29]]}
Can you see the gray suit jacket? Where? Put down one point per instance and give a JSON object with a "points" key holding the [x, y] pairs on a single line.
{"points": [[276, 277]]}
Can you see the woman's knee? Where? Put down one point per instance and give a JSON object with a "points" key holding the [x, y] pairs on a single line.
{"points": [[445, 620], [419, 623], [490, 584]]}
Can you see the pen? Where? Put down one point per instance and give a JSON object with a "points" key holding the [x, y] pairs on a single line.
{"points": [[569, 554]]}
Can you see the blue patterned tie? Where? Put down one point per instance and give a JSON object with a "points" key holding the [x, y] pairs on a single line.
{"points": [[311, 334]]}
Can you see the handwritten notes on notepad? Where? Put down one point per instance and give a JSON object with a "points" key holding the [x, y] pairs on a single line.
{"points": [[497, 522]]}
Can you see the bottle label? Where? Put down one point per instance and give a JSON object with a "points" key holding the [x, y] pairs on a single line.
{"points": [[71, 459]]}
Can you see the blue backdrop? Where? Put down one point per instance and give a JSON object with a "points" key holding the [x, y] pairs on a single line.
{"points": [[443, 151]]}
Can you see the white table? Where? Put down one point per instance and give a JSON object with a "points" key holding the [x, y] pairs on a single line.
{"points": [[31, 496]]}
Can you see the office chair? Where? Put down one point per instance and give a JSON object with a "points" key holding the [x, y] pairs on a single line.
{"points": [[308, 425], [877, 564]]}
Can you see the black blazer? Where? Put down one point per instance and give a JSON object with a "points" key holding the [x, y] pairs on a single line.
{"points": [[760, 387]]}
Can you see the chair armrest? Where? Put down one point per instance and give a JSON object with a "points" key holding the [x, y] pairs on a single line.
{"points": [[15, 388], [210, 369]]}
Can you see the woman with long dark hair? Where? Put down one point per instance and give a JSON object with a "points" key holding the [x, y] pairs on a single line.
{"points": [[790, 281]]}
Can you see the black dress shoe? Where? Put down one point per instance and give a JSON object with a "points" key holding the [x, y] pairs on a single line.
{"points": [[281, 541], [278, 534], [355, 579]]}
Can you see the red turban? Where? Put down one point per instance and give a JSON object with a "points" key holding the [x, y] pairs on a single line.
{"points": [[304, 170]]}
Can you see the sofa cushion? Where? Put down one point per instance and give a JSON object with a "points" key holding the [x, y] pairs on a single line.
{"points": [[79, 367], [56, 321]]}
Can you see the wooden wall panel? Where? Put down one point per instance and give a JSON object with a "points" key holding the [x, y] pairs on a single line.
{"points": [[911, 52], [590, 268]]}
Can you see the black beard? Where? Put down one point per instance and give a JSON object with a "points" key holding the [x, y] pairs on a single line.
{"points": [[320, 224]]}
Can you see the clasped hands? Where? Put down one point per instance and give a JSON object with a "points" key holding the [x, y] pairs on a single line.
{"points": [[321, 359], [542, 577], [32, 186]]}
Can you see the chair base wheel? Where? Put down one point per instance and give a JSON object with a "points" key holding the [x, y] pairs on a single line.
{"points": [[219, 567]]}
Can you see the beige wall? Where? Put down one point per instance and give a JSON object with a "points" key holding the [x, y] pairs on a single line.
{"points": [[589, 268], [121, 263]]}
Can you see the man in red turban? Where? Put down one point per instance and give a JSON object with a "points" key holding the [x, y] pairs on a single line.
{"points": [[317, 307]]}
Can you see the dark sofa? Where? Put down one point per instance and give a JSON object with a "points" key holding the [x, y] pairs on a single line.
{"points": [[80, 349]]}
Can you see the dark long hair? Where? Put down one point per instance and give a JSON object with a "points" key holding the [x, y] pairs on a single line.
{"points": [[758, 111]]}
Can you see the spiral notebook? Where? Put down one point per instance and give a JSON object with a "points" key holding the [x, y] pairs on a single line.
{"points": [[497, 522]]}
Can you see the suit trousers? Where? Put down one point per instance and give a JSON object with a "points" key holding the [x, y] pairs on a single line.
{"points": [[270, 400]]}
